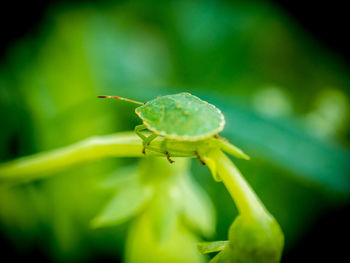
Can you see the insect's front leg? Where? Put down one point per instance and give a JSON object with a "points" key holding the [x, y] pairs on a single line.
{"points": [[150, 138], [147, 142], [138, 131]]}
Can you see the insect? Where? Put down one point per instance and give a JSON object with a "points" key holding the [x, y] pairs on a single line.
{"points": [[180, 117]]}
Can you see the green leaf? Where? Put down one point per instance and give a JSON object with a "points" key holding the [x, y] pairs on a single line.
{"points": [[120, 178], [126, 203], [198, 209], [179, 247], [226, 146], [286, 143], [212, 167], [163, 211], [209, 247]]}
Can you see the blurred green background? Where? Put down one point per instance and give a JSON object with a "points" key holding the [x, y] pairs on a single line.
{"points": [[284, 95]]}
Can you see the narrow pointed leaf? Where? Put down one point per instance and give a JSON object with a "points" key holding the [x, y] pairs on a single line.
{"points": [[126, 203], [209, 247], [212, 167], [120, 178], [163, 212], [198, 209], [232, 149]]}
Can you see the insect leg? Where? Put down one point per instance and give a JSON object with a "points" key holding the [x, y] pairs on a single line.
{"points": [[150, 138], [138, 130], [147, 142], [164, 147], [199, 158], [168, 157]]}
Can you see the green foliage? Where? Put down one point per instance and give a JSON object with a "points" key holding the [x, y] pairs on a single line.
{"points": [[209, 247], [126, 203], [248, 58], [162, 194], [198, 209], [167, 196], [142, 247]]}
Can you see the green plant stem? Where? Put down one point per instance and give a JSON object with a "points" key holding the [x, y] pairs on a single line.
{"points": [[46, 163], [254, 236], [245, 198]]}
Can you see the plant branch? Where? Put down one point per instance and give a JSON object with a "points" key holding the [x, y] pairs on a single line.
{"points": [[245, 198], [44, 164]]}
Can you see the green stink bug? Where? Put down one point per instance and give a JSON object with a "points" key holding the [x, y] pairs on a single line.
{"points": [[179, 117]]}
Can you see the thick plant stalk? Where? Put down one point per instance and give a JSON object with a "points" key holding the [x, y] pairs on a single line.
{"points": [[245, 198], [46, 163], [255, 235]]}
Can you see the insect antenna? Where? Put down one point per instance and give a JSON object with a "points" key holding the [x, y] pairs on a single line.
{"points": [[119, 98]]}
